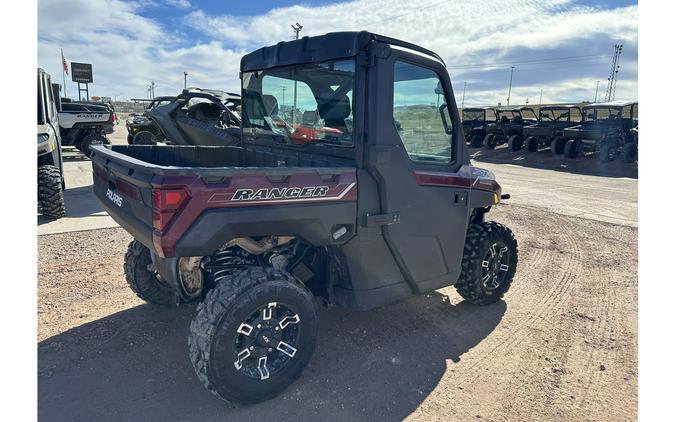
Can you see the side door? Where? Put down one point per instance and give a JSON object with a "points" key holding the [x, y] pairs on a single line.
{"points": [[418, 158]]}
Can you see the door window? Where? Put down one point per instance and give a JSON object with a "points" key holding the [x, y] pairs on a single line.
{"points": [[421, 115]]}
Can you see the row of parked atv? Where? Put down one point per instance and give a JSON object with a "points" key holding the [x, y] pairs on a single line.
{"points": [[610, 129]]}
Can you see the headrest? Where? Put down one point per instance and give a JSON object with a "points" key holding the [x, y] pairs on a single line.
{"points": [[271, 104], [333, 108]]}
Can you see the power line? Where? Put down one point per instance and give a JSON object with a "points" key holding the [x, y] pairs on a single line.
{"points": [[404, 14], [534, 61]]}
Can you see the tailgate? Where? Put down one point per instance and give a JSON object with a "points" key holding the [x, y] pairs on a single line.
{"points": [[125, 192]]}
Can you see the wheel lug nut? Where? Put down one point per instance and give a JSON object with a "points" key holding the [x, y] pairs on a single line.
{"points": [[259, 325], [250, 348], [269, 350], [276, 328]]}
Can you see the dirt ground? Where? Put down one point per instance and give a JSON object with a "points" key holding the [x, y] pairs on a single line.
{"points": [[561, 346]]}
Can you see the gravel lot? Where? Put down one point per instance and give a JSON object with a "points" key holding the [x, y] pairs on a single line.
{"points": [[562, 346]]}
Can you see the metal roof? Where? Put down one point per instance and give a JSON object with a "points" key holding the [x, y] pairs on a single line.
{"points": [[611, 104]]}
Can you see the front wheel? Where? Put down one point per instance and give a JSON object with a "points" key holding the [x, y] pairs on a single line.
{"points": [[572, 148], [253, 335], [532, 144], [50, 192], [145, 137], [488, 264]]}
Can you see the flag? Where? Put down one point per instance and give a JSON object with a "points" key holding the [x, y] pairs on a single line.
{"points": [[65, 63]]}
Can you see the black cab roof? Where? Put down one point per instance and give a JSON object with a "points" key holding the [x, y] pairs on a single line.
{"points": [[611, 104], [331, 46]]}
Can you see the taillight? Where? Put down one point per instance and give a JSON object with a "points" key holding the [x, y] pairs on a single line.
{"points": [[112, 118], [166, 204]]}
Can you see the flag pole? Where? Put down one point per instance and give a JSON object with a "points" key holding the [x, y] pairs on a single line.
{"points": [[63, 72]]}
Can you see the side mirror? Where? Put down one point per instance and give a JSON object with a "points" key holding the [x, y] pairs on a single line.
{"points": [[445, 117]]}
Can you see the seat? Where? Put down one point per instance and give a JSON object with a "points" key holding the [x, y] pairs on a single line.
{"points": [[334, 110]]}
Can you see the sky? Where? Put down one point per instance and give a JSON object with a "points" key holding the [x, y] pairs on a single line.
{"points": [[562, 47]]}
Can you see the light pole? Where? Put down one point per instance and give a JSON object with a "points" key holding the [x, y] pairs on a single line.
{"points": [[508, 98], [597, 85], [296, 28], [541, 92], [184, 80], [463, 94]]}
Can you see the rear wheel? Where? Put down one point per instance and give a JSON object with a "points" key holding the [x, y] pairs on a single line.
{"points": [[515, 142], [607, 152], [94, 138], [488, 264], [490, 142], [572, 148], [50, 192], [253, 335], [558, 145], [145, 282], [476, 141], [130, 139]]}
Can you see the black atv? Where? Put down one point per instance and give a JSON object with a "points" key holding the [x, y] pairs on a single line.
{"points": [[474, 123], [509, 126], [606, 128], [548, 131], [141, 123], [195, 117]]}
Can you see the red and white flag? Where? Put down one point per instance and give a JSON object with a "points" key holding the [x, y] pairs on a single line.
{"points": [[65, 63]]}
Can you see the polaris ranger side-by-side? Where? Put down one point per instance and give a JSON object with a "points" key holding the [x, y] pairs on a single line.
{"points": [[49, 160], [83, 124], [474, 123], [548, 131], [509, 126], [607, 129], [385, 207]]}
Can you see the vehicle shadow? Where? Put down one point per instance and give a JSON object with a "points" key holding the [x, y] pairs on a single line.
{"points": [[588, 164], [80, 202], [376, 365]]}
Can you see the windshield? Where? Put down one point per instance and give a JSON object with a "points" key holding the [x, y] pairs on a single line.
{"points": [[509, 114], [473, 115], [41, 115], [602, 113], [529, 114], [301, 104], [555, 115]]}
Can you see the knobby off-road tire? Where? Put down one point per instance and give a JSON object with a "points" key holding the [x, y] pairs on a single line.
{"points": [[130, 139], [515, 142], [145, 137], [558, 145], [532, 144], [94, 138], [476, 141], [144, 282], [50, 192], [218, 335], [489, 142], [485, 242]]}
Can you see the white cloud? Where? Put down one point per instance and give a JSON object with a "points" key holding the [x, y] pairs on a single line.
{"points": [[129, 50]]}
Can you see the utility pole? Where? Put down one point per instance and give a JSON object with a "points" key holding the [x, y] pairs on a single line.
{"points": [[152, 89], [296, 28], [613, 74], [283, 95], [184, 80], [527, 100], [541, 92], [508, 98], [463, 95], [597, 86]]}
